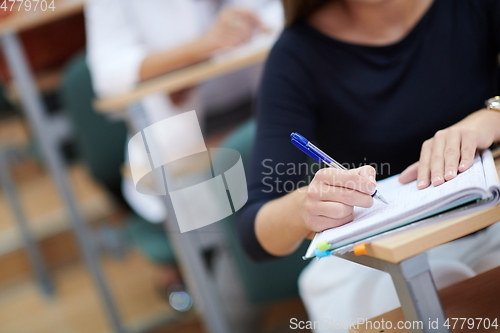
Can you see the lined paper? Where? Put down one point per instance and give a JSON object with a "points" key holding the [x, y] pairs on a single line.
{"points": [[407, 203]]}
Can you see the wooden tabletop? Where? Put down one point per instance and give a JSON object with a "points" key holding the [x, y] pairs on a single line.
{"points": [[408, 244], [179, 79], [21, 19]]}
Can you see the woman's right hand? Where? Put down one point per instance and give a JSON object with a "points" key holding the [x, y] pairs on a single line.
{"points": [[332, 194], [232, 27]]}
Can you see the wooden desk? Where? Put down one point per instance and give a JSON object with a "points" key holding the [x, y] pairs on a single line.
{"points": [[24, 20], [403, 257], [179, 79], [403, 246]]}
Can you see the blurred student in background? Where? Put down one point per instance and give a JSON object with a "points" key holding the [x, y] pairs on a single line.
{"points": [[130, 41]]}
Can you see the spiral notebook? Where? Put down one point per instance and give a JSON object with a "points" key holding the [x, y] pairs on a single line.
{"points": [[478, 187]]}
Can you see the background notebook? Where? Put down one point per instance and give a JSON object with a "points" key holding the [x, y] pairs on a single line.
{"points": [[478, 186]]}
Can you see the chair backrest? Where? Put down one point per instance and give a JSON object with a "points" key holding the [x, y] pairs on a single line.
{"points": [[100, 141]]}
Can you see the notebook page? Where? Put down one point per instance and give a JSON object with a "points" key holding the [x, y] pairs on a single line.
{"points": [[404, 200], [490, 170]]}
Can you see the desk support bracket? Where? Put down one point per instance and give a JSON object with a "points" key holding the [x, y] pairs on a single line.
{"points": [[415, 288]]}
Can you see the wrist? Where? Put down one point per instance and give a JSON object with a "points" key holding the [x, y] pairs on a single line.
{"points": [[206, 44], [299, 200], [491, 120], [279, 226], [484, 122]]}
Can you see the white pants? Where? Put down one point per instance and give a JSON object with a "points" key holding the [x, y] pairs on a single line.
{"points": [[335, 290]]}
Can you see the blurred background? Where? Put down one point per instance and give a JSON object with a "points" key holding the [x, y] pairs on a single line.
{"points": [[80, 250]]}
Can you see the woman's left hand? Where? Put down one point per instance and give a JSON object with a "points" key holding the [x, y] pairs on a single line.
{"points": [[452, 150]]}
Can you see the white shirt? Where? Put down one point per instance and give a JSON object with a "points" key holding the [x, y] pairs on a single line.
{"points": [[121, 34]]}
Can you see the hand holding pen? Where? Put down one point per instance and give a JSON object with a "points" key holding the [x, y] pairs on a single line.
{"points": [[307, 147], [333, 192]]}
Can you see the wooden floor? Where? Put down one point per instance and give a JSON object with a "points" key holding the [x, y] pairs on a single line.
{"points": [[76, 308], [48, 217]]}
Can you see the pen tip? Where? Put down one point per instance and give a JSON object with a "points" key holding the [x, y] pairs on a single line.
{"points": [[381, 198]]}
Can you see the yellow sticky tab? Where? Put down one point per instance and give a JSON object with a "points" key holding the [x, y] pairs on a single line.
{"points": [[323, 246]]}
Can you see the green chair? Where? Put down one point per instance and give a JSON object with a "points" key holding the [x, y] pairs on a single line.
{"points": [[267, 281], [100, 141]]}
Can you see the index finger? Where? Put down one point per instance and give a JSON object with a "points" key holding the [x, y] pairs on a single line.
{"points": [[346, 178], [467, 150]]}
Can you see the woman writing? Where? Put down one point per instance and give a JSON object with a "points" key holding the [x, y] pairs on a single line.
{"points": [[379, 82]]}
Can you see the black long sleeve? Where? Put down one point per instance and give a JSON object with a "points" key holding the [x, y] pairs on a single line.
{"points": [[367, 104]]}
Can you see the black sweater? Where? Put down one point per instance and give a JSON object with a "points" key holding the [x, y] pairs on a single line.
{"points": [[368, 104]]}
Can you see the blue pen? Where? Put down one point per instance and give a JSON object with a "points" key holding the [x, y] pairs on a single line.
{"points": [[307, 147]]}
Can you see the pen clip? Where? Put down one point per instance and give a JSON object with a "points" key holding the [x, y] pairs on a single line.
{"points": [[307, 150], [307, 147]]}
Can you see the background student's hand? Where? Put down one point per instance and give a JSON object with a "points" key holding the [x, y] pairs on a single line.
{"points": [[233, 27], [452, 150], [332, 195]]}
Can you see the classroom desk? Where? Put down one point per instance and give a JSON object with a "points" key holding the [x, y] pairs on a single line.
{"points": [[186, 245], [403, 256], [179, 79], [25, 20], [35, 112]]}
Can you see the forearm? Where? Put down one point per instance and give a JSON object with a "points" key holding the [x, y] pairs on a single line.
{"points": [[165, 61], [224, 33], [279, 224]]}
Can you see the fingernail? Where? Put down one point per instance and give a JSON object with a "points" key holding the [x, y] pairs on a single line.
{"points": [[421, 183], [462, 166], [450, 173], [435, 179], [371, 178]]}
